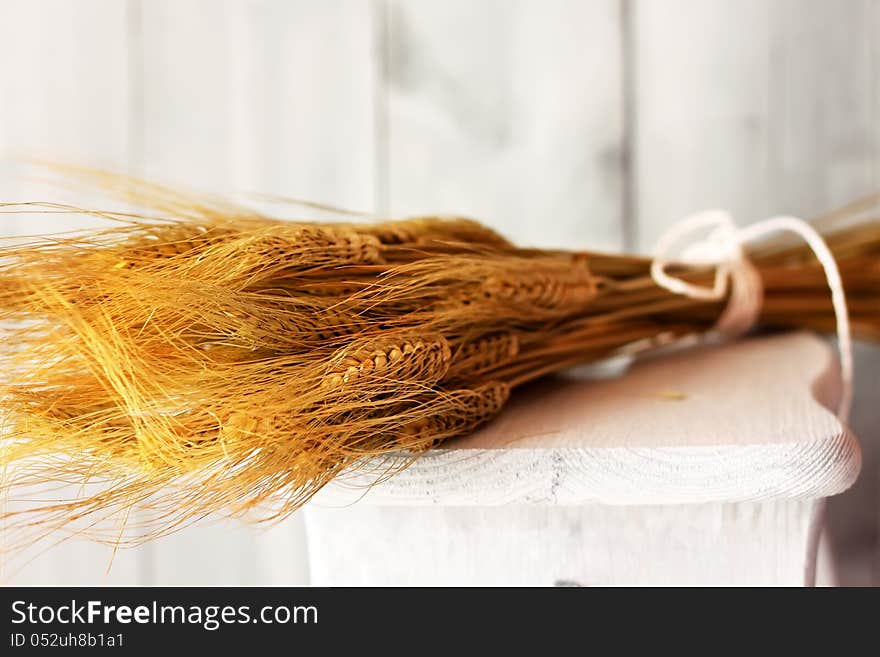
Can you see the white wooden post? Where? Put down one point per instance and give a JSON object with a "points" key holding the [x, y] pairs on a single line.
{"points": [[707, 466]]}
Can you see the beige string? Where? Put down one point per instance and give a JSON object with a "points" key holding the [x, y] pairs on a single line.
{"points": [[723, 249]]}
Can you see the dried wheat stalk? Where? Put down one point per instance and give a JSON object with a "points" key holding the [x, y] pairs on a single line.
{"points": [[218, 360]]}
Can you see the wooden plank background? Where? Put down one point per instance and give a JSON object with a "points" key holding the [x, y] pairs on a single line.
{"points": [[589, 123]]}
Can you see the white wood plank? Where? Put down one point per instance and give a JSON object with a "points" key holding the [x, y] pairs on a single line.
{"points": [[303, 108], [709, 544], [186, 89], [762, 108], [741, 422], [266, 96], [64, 95], [510, 112], [758, 107], [64, 85]]}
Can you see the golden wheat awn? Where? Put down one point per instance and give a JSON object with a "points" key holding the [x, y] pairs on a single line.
{"points": [[200, 357]]}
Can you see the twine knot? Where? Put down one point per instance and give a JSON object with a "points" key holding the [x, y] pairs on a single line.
{"points": [[737, 278]]}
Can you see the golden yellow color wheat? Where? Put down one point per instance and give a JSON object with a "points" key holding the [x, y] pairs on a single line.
{"points": [[207, 358]]}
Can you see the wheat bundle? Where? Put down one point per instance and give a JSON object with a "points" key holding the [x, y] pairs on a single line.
{"points": [[215, 359]]}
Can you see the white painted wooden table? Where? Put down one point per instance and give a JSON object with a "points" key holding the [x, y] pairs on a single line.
{"points": [[705, 466]]}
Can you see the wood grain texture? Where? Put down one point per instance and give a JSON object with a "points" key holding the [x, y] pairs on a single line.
{"points": [[595, 545], [741, 422], [510, 112]]}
